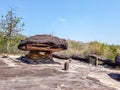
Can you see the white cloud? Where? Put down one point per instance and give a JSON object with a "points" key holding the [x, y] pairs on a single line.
{"points": [[61, 19]]}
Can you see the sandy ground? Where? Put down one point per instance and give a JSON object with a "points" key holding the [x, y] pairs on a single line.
{"points": [[15, 75]]}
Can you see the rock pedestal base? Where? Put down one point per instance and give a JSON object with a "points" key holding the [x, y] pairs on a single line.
{"points": [[36, 57]]}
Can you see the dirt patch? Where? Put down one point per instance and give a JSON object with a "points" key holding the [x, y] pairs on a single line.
{"points": [[2, 63], [23, 72]]}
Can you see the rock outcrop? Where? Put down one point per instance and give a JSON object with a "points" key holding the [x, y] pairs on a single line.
{"points": [[42, 46], [117, 60], [61, 56]]}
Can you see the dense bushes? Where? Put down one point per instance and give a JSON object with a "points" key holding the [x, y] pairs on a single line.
{"points": [[76, 47], [13, 44], [103, 49], [94, 47]]}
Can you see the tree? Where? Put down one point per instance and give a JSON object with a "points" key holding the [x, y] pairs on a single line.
{"points": [[10, 25], [113, 50]]}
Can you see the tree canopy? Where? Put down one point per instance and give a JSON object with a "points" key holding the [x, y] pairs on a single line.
{"points": [[10, 26]]}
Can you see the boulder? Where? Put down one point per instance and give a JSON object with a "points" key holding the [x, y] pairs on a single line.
{"points": [[61, 56], [117, 59], [44, 43], [42, 46], [78, 57]]}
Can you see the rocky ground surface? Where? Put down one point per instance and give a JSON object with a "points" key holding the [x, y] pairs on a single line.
{"points": [[15, 75]]}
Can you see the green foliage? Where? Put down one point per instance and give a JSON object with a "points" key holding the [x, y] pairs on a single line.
{"points": [[13, 44], [94, 47], [102, 49], [11, 24], [113, 50], [74, 47], [10, 27]]}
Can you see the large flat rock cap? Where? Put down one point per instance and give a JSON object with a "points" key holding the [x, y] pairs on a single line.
{"points": [[43, 41]]}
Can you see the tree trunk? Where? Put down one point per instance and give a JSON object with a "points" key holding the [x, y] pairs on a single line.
{"points": [[7, 47]]}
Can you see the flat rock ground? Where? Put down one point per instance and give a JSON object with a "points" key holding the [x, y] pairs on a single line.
{"points": [[15, 75]]}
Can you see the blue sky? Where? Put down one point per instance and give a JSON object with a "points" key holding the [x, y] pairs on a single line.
{"points": [[80, 20]]}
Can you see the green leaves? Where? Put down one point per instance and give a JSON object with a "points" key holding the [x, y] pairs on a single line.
{"points": [[103, 49], [14, 41], [10, 25], [94, 47]]}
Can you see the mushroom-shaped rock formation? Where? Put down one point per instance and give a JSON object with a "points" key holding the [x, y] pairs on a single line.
{"points": [[42, 46]]}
